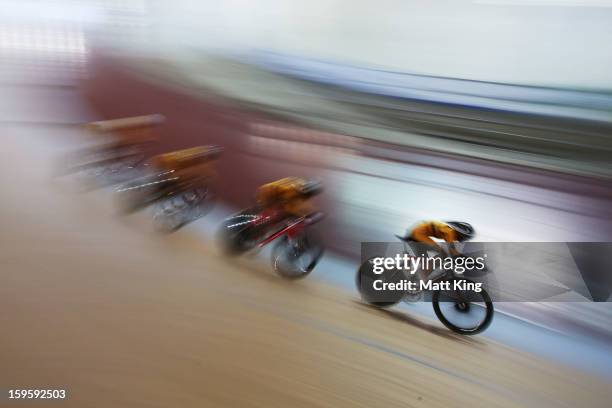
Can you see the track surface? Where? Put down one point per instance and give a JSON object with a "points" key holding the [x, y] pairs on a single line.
{"points": [[119, 316]]}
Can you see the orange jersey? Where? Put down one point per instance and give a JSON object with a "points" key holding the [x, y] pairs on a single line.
{"points": [[427, 229], [285, 189], [285, 193], [129, 131], [194, 156], [193, 165]]}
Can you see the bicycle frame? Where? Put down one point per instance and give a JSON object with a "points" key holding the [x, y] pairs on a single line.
{"points": [[291, 230]]}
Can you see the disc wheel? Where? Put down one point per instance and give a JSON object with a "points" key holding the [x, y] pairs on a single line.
{"points": [[366, 285]]}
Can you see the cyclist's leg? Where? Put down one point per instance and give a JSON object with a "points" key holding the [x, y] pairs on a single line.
{"points": [[421, 250]]}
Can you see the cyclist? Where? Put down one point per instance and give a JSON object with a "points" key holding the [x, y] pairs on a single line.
{"points": [[449, 231], [127, 135], [118, 150], [178, 178], [289, 198], [188, 170]]}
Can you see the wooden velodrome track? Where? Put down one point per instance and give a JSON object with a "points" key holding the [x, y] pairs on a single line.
{"points": [[121, 317]]}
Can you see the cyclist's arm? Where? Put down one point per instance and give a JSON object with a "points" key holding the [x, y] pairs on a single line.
{"points": [[452, 250], [314, 217], [450, 237]]}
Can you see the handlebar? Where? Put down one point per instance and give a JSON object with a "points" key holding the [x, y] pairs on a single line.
{"points": [[313, 219]]}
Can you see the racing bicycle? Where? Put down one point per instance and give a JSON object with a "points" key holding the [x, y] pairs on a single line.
{"points": [[296, 252], [177, 202], [457, 305]]}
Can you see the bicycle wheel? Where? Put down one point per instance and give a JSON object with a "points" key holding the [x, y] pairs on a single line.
{"points": [[462, 309], [170, 215], [180, 209], [296, 261], [237, 235], [365, 280]]}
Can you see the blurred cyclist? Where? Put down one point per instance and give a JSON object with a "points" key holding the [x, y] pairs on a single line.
{"points": [[188, 170], [125, 136], [117, 152], [288, 198], [175, 180], [449, 231]]}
